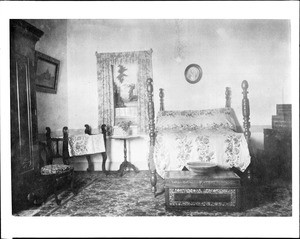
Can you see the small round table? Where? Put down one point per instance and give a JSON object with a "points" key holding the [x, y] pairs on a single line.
{"points": [[126, 164]]}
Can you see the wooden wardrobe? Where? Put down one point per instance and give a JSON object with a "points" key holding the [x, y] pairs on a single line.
{"points": [[24, 131]]}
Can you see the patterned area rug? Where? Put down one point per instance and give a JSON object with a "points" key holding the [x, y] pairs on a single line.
{"points": [[82, 180], [131, 195]]}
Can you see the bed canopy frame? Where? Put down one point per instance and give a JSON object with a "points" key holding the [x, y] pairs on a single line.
{"points": [[152, 132]]}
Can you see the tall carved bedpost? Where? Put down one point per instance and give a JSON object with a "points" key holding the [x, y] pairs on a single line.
{"points": [[88, 130], [161, 97], [246, 110], [49, 152], [247, 133], [151, 165], [228, 97], [104, 154], [65, 155]]}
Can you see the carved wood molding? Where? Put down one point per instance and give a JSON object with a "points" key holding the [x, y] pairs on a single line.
{"points": [[151, 113], [88, 129], [246, 110], [161, 97], [26, 29], [228, 97], [66, 155], [232, 193]]}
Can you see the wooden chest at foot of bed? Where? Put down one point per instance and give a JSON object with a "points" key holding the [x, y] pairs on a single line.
{"points": [[220, 190]]}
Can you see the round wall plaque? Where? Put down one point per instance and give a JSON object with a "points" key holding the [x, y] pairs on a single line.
{"points": [[193, 73]]}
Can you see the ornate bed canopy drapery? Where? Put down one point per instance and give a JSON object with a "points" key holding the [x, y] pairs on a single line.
{"points": [[105, 63]]}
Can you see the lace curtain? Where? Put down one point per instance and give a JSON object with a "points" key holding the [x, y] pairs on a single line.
{"points": [[105, 61]]}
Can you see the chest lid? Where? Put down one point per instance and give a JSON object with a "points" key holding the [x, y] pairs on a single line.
{"points": [[187, 179]]}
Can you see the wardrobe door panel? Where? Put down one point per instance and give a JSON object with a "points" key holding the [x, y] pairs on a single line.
{"points": [[24, 114]]}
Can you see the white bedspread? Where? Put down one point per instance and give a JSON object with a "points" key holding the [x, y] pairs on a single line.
{"points": [[175, 147]]}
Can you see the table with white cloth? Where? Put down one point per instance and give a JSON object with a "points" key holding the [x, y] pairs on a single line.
{"points": [[87, 145]]}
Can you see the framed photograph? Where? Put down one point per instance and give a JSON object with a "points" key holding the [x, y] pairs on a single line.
{"points": [[47, 71], [193, 73], [125, 92]]}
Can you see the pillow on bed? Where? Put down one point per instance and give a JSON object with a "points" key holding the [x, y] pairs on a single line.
{"points": [[221, 118]]}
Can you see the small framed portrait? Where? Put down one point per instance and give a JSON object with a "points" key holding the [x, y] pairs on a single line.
{"points": [[193, 73], [47, 72]]}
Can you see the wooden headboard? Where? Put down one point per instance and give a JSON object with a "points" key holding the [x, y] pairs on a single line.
{"points": [[245, 105], [162, 95]]}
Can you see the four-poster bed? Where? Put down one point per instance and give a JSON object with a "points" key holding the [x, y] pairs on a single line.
{"points": [[215, 127]]}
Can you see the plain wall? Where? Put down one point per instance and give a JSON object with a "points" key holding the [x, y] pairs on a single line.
{"points": [[52, 109], [228, 51]]}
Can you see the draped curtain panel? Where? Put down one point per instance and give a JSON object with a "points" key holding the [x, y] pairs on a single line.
{"points": [[105, 62]]}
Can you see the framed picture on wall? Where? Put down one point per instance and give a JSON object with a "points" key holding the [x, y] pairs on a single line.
{"points": [[47, 71], [125, 92], [193, 73]]}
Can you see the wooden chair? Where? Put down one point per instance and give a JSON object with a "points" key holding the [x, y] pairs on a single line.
{"points": [[54, 173]]}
